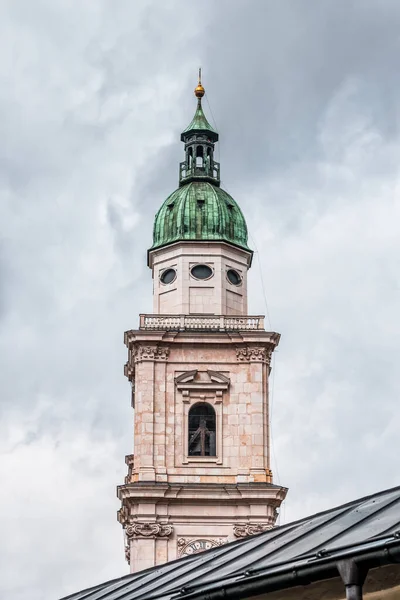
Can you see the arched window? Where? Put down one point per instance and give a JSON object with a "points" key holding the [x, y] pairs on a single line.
{"points": [[202, 430], [208, 161], [199, 156]]}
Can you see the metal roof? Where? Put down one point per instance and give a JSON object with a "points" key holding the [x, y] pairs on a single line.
{"points": [[199, 211], [199, 123], [368, 527]]}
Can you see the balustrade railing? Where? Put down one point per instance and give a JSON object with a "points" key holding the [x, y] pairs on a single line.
{"points": [[206, 171], [200, 322]]}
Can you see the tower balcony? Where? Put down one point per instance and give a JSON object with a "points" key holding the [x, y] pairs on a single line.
{"points": [[205, 172], [201, 323]]}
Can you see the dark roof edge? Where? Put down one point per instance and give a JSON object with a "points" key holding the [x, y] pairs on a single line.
{"points": [[299, 573], [293, 574], [345, 505]]}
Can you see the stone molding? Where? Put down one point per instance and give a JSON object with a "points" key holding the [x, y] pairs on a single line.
{"points": [[130, 461], [204, 386], [254, 354], [148, 530], [245, 529], [156, 352], [216, 381]]}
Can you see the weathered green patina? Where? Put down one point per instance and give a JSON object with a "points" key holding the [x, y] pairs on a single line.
{"points": [[199, 123], [200, 211]]}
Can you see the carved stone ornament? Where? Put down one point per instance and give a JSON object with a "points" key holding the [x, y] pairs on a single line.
{"points": [[255, 354], [128, 554], [123, 516], [140, 353], [189, 547], [130, 461], [146, 530], [245, 529], [129, 371]]}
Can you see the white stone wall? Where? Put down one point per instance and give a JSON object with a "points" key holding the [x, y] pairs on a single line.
{"points": [[187, 295]]}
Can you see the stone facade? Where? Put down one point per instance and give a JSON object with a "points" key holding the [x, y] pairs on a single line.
{"points": [[187, 295], [199, 367], [172, 500]]}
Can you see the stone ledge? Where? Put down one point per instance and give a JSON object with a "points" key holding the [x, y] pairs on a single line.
{"points": [[227, 493]]}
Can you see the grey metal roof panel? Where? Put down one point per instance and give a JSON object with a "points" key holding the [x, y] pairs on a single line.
{"points": [[362, 521]]}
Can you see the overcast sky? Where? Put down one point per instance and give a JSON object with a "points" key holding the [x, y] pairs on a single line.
{"points": [[93, 97]]}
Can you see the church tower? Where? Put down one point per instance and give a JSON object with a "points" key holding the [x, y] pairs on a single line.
{"points": [[199, 368]]}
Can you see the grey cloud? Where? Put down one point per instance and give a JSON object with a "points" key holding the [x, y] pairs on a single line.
{"points": [[286, 60]]}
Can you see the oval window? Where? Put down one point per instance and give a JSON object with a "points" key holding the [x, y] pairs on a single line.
{"points": [[234, 277], [168, 276], [201, 272]]}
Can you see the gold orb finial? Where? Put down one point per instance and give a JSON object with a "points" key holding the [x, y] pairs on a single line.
{"points": [[199, 90]]}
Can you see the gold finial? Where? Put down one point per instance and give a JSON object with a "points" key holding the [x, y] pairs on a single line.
{"points": [[199, 90]]}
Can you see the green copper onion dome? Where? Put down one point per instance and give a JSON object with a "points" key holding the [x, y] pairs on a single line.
{"points": [[199, 210], [202, 211]]}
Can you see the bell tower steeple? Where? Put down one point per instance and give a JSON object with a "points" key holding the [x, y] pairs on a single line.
{"points": [[199, 139], [199, 368]]}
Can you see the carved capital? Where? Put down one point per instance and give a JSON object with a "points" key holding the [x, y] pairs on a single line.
{"points": [[146, 530], [156, 352], [128, 554], [254, 354], [245, 529]]}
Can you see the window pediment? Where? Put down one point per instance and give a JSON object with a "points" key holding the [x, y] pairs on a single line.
{"points": [[186, 377], [202, 380]]}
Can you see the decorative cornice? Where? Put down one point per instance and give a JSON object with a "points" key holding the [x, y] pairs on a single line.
{"points": [[155, 352], [148, 530], [245, 529], [270, 493], [254, 354]]}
